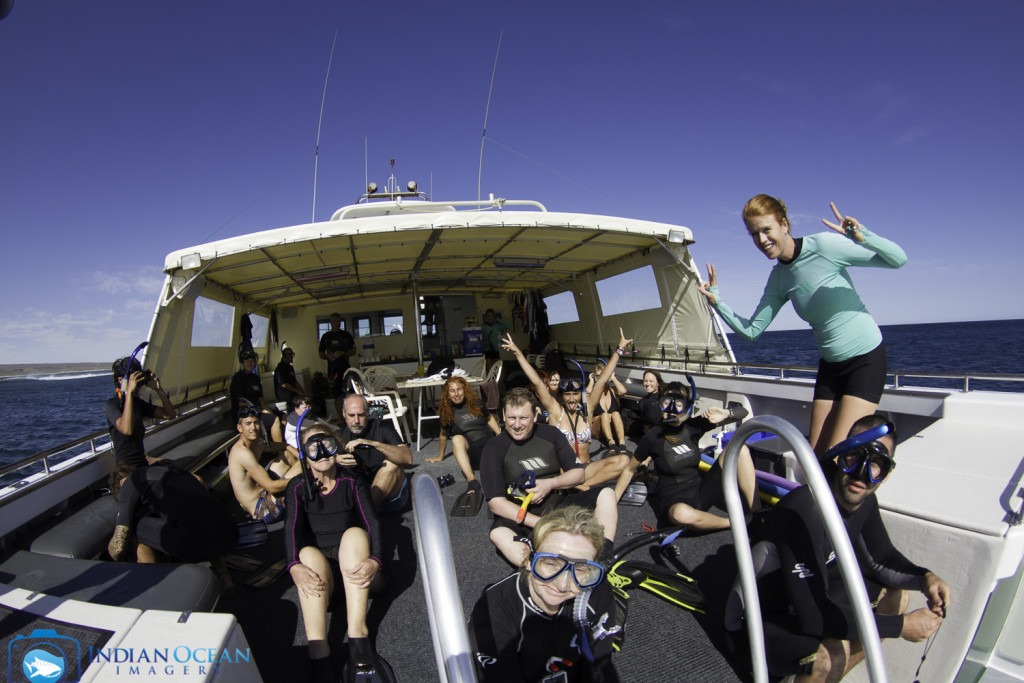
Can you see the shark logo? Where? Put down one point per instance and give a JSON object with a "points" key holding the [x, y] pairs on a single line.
{"points": [[801, 570], [42, 665]]}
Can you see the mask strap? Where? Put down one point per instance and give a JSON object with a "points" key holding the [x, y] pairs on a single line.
{"points": [[306, 473]]}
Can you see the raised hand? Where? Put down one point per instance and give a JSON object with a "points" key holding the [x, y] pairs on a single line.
{"points": [[622, 339], [712, 282], [848, 225], [509, 345]]}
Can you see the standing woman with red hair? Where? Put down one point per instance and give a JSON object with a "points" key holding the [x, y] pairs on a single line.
{"points": [[811, 272]]}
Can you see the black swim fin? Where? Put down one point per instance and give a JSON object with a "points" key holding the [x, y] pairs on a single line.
{"points": [[669, 585], [366, 666], [267, 574], [468, 504]]}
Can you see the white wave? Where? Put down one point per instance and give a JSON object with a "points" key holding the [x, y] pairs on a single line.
{"points": [[53, 377]]}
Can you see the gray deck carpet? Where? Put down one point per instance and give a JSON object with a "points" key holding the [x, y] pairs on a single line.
{"points": [[663, 642]]}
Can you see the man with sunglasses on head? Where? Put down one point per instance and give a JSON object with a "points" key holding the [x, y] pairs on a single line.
{"points": [[682, 494], [330, 519], [809, 626]]}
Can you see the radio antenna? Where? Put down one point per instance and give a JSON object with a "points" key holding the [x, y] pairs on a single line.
{"points": [[323, 98], [483, 136]]}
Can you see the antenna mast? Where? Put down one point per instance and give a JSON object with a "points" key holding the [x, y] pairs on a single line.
{"points": [[483, 136], [323, 98]]}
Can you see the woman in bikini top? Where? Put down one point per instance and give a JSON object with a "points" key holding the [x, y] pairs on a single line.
{"points": [[564, 410]]}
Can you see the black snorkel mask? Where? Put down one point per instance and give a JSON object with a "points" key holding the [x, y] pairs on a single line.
{"points": [[678, 406], [862, 457], [128, 370]]}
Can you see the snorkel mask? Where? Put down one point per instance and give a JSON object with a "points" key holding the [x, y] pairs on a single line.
{"points": [[307, 475], [862, 457], [678, 406], [129, 367]]}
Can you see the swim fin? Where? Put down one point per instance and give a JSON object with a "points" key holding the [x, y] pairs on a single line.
{"points": [[364, 665], [468, 504], [669, 585], [267, 574]]}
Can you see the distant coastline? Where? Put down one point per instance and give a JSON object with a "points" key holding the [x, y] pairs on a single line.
{"points": [[21, 369]]}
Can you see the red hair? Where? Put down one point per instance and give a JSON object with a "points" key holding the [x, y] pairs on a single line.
{"points": [[470, 399]]}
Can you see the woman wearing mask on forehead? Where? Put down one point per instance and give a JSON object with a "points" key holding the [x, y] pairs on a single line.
{"points": [[811, 272], [566, 410], [683, 495]]}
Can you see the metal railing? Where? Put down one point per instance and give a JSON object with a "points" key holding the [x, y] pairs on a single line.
{"points": [[440, 584], [99, 443], [822, 492]]}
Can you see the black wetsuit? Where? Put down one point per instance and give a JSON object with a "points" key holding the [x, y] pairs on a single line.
{"points": [[546, 453], [679, 479], [517, 642], [803, 598], [321, 522], [332, 341], [370, 459], [649, 410], [128, 449], [284, 373], [172, 511], [474, 428], [249, 386]]}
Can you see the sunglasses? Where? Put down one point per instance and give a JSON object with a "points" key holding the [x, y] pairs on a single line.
{"points": [[549, 566], [570, 384], [248, 411], [868, 462], [675, 404], [320, 447]]}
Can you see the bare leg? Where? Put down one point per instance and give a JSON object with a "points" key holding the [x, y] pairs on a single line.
{"points": [[607, 513], [819, 412], [355, 547], [276, 434], [386, 483], [681, 513], [314, 609], [618, 428], [747, 477], [604, 470], [840, 419], [831, 664], [146, 555], [514, 551], [460, 447]]}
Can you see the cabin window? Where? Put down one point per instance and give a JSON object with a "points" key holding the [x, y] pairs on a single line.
{"points": [[212, 323], [561, 308], [361, 325], [634, 290], [394, 323]]}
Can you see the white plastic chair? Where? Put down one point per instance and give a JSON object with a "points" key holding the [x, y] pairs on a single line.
{"points": [[374, 386]]}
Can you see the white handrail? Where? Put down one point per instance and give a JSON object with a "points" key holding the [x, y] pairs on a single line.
{"points": [[822, 492], [448, 628]]}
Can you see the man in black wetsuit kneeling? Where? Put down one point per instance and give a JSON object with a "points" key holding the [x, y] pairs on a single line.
{"points": [[525, 446], [809, 626], [338, 523]]}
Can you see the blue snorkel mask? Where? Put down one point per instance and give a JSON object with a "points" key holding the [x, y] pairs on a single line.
{"points": [[678, 406], [128, 367], [862, 457]]}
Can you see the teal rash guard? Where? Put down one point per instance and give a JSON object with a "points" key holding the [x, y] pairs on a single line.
{"points": [[822, 293]]}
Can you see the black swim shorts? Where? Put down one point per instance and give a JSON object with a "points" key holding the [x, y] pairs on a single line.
{"points": [[862, 376]]}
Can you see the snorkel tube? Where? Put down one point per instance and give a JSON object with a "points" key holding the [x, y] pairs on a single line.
{"points": [[865, 437], [307, 475], [867, 441], [128, 367]]}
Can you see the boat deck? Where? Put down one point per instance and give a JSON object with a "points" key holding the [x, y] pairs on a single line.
{"points": [[663, 642]]}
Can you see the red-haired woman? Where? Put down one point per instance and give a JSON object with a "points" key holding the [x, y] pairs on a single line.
{"points": [[468, 423]]}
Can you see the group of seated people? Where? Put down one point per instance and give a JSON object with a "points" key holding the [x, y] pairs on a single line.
{"points": [[555, 514]]}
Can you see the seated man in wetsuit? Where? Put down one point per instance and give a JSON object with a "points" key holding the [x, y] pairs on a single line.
{"points": [[527, 446], [125, 411], [809, 625], [337, 524], [374, 447], [286, 384], [161, 509], [257, 487], [247, 389]]}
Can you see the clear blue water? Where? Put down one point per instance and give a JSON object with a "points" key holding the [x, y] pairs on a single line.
{"points": [[40, 413]]}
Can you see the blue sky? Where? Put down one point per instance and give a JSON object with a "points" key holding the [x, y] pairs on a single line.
{"points": [[131, 129]]}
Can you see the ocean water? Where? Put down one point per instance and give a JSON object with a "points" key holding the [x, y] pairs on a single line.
{"points": [[42, 412]]}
